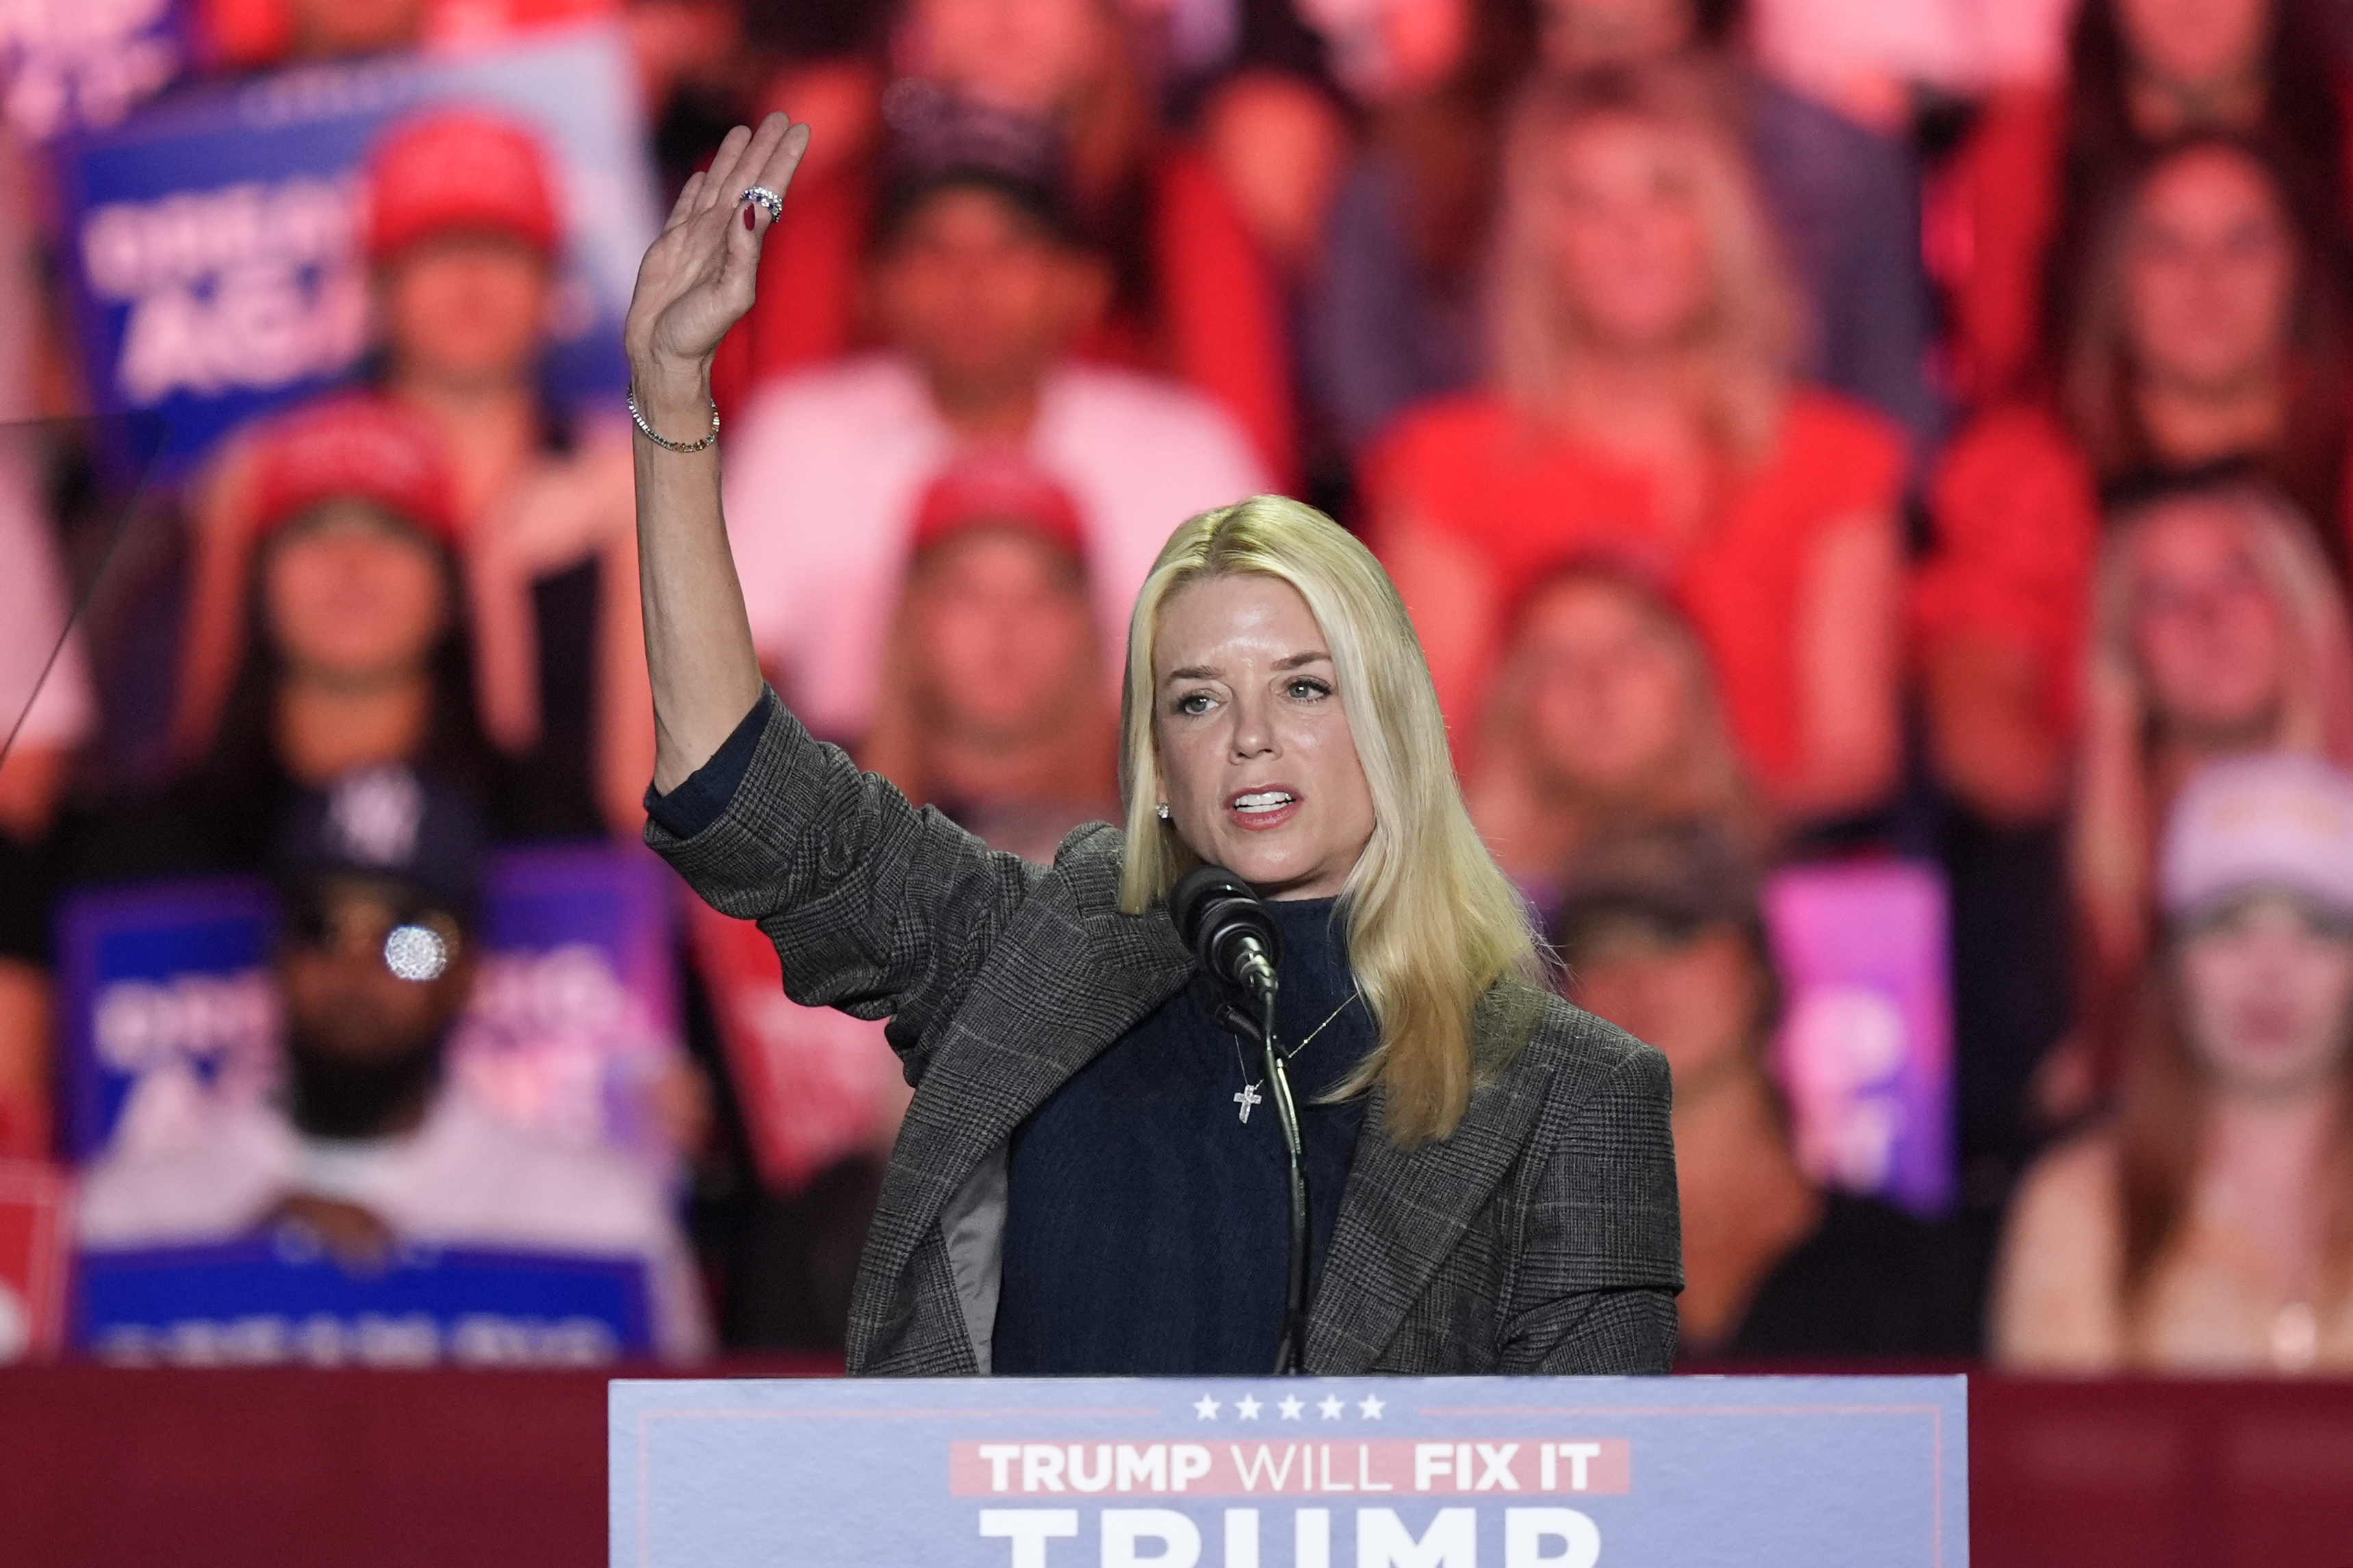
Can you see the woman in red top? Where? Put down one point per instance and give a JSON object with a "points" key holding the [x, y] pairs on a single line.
{"points": [[2212, 327], [1643, 409], [1194, 298], [2139, 72]]}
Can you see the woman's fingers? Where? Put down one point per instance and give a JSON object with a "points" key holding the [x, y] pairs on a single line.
{"points": [[777, 173], [751, 149], [715, 180], [740, 159], [683, 208], [751, 162]]}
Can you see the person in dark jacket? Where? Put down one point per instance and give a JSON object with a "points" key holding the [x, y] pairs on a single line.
{"points": [[1080, 1186], [1662, 931]]}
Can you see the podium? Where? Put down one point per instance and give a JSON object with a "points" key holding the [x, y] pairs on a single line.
{"points": [[1476, 1472]]}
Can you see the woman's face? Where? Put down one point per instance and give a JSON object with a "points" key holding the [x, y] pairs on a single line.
{"points": [[1002, 633], [1578, 35], [1629, 246], [1030, 56], [2195, 45], [2267, 991], [465, 308], [2209, 275], [1258, 764], [1697, 1001], [349, 598], [2206, 630], [1606, 693]]}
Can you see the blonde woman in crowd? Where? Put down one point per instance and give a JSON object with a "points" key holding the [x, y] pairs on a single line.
{"points": [[1643, 402], [2216, 629], [2208, 1226]]}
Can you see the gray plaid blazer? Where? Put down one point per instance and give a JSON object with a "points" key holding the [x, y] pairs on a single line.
{"points": [[1543, 1236]]}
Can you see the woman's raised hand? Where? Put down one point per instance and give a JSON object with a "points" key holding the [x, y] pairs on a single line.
{"points": [[696, 282], [697, 279]]}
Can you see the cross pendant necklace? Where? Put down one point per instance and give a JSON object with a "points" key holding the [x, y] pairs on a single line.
{"points": [[1249, 1098]]}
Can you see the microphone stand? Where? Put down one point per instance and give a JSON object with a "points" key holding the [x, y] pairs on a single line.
{"points": [[1290, 1361]]}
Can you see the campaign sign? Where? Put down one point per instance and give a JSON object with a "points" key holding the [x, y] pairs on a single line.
{"points": [[1472, 1472], [575, 1012], [167, 1003], [276, 1299], [213, 243], [1865, 1050]]}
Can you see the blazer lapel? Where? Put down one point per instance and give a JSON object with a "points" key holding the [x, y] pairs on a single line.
{"points": [[1402, 1212]]}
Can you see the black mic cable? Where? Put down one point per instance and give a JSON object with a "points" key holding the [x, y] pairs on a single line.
{"points": [[1223, 920]]}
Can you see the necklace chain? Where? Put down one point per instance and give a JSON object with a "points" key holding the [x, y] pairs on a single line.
{"points": [[1249, 1096]]}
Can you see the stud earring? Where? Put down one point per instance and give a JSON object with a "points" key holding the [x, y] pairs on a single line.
{"points": [[1164, 811]]}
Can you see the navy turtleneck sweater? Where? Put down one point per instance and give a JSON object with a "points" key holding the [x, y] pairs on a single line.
{"points": [[1147, 1225]]}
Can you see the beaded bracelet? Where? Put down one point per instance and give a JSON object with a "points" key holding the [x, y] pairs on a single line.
{"points": [[648, 431]]}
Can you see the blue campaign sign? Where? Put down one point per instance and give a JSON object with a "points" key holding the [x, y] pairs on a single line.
{"points": [[163, 987], [165, 1000], [212, 238], [276, 1299], [1832, 1472]]}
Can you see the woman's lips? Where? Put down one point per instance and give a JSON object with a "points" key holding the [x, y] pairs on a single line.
{"points": [[1257, 810]]}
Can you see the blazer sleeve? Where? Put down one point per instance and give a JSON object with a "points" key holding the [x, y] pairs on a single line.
{"points": [[1601, 1247], [876, 908]]}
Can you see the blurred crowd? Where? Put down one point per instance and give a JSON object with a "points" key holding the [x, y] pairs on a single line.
{"points": [[1804, 433]]}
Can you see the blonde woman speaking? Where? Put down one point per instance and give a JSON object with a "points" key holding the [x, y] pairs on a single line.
{"points": [[1082, 1185]]}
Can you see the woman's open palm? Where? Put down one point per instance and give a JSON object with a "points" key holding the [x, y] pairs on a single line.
{"points": [[698, 279]]}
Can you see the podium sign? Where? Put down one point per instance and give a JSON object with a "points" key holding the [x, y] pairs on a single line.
{"points": [[1832, 1472]]}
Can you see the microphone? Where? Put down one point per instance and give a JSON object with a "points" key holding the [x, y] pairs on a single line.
{"points": [[1223, 920], [1227, 926]]}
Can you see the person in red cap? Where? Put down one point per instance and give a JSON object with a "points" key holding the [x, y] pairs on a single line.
{"points": [[357, 652], [463, 230], [992, 702]]}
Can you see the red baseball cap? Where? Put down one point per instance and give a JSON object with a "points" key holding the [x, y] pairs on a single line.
{"points": [[999, 487], [358, 447], [460, 169]]}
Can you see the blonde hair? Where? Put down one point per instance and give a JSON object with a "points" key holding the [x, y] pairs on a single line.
{"points": [[1751, 328], [1432, 923], [2112, 843]]}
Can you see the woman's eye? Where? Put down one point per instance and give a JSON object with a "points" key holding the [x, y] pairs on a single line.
{"points": [[1193, 702], [1304, 689]]}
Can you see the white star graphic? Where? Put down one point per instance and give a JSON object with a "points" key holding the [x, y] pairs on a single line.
{"points": [[1370, 1406], [1246, 1407], [1331, 1407], [1206, 1408], [1291, 1408]]}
